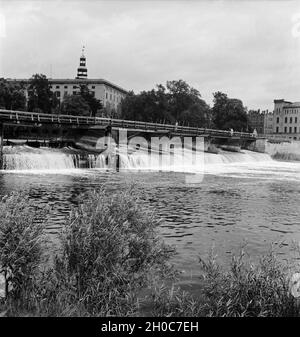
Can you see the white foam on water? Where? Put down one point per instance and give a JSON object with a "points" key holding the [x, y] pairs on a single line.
{"points": [[246, 164], [26, 158]]}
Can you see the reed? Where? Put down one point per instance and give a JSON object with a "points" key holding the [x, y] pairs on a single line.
{"points": [[244, 290]]}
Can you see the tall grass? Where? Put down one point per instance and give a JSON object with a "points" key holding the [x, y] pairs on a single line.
{"points": [[20, 240], [21, 245], [110, 248], [244, 290]]}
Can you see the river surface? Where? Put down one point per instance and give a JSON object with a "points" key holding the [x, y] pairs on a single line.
{"points": [[236, 205]]}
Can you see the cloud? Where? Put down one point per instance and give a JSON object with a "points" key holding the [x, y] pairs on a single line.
{"points": [[245, 49]]}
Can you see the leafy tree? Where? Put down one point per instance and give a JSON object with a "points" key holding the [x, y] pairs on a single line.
{"points": [[175, 102], [181, 97], [199, 114], [94, 103], [229, 113], [131, 107], [75, 105], [12, 96], [40, 97]]}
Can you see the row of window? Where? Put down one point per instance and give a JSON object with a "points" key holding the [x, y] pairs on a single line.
{"points": [[116, 99], [57, 93], [288, 130], [113, 97], [286, 112], [286, 119], [66, 87]]}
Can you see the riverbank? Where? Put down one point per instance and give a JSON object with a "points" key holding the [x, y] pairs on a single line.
{"points": [[113, 262]]}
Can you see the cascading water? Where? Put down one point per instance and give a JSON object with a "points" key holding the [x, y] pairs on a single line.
{"points": [[28, 158], [188, 161]]}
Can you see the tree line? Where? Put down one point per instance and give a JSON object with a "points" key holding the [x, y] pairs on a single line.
{"points": [[175, 103], [178, 102]]}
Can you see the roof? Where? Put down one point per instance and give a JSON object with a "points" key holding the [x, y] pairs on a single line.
{"points": [[281, 100], [292, 105], [75, 81]]}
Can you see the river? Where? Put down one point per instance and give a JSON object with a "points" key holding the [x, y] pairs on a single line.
{"points": [[244, 200]]}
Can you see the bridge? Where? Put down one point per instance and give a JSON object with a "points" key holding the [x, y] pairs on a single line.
{"points": [[72, 130], [10, 117]]}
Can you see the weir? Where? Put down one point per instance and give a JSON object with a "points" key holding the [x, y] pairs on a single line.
{"points": [[28, 158], [81, 133]]}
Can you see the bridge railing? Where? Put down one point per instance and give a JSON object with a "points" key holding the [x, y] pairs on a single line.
{"points": [[34, 117]]}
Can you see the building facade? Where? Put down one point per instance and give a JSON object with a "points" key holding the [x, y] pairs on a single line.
{"points": [[256, 121], [268, 122], [281, 124], [261, 121], [286, 120], [108, 93]]}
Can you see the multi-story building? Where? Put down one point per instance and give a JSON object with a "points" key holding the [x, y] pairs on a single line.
{"points": [[286, 120], [268, 122], [108, 93], [261, 121], [256, 120]]}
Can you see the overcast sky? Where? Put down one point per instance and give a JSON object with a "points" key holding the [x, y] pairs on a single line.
{"points": [[247, 49]]}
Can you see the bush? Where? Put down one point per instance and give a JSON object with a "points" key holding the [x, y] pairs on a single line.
{"points": [[21, 239], [110, 249], [243, 290], [248, 290]]}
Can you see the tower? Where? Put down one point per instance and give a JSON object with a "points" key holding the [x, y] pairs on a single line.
{"points": [[82, 69]]}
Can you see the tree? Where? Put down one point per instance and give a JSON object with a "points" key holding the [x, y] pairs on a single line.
{"points": [[93, 103], [175, 102], [198, 115], [40, 97], [75, 105], [229, 113], [181, 97], [12, 96]]}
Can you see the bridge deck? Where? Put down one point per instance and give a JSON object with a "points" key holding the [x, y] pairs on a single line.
{"points": [[31, 118]]}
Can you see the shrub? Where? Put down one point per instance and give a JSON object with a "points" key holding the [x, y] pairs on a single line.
{"points": [[21, 238], [243, 290], [110, 249], [172, 301], [247, 290]]}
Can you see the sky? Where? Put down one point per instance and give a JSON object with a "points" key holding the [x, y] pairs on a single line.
{"points": [[248, 49]]}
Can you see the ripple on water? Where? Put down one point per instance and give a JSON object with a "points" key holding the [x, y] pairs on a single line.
{"points": [[223, 211]]}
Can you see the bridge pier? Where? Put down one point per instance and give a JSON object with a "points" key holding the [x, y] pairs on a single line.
{"points": [[258, 145], [1, 145]]}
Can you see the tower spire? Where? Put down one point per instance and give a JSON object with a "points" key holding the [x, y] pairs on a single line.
{"points": [[82, 69]]}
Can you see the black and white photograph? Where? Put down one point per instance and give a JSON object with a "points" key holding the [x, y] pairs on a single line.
{"points": [[149, 161]]}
